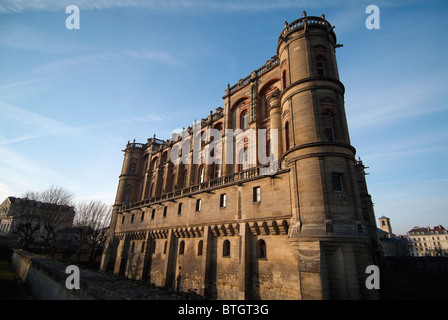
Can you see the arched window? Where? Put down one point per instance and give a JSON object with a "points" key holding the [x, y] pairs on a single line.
{"points": [[173, 182], [127, 195], [287, 143], [218, 127], [184, 179], [201, 174], [151, 190], [164, 156], [328, 127], [261, 249], [226, 248], [154, 163], [244, 120], [145, 163], [181, 247], [133, 166], [284, 79], [200, 247], [243, 160]]}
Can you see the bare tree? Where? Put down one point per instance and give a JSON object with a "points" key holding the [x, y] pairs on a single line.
{"points": [[55, 203], [92, 219], [26, 222]]}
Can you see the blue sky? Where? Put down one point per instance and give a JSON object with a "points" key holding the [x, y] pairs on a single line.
{"points": [[71, 99]]}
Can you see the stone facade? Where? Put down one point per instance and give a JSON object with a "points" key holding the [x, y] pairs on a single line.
{"points": [[426, 241], [16, 211], [298, 227]]}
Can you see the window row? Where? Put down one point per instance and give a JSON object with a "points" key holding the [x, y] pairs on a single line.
{"points": [[226, 248], [256, 197]]}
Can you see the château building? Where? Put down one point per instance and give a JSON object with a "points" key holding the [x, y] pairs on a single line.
{"points": [[29, 218], [289, 218]]}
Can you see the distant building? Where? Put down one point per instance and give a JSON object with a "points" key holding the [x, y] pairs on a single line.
{"points": [[17, 212], [391, 244], [386, 227], [428, 242]]}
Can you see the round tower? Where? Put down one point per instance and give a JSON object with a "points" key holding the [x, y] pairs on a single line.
{"points": [[127, 192], [327, 223]]}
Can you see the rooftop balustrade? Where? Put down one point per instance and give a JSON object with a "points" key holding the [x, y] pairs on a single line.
{"points": [[235, 178]]}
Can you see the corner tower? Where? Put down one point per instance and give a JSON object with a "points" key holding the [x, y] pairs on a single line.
{"points": [[327, 224]]}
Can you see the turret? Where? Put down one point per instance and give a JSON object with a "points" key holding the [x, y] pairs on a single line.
{"points": [[327, 225], [319, 150]]}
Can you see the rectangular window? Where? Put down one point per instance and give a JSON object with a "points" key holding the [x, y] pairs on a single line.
{"points": [[165, 209], [179, 209], [198, 205], [337, 182], [257, 194], [153, 213], [320, 67], [328, 127], [217, 171], [222, 200]]}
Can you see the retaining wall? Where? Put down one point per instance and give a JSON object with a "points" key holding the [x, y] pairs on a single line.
{"points": [[46, 279]]}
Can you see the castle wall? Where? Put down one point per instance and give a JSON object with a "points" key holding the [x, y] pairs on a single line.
{"points": [[234, 230]]}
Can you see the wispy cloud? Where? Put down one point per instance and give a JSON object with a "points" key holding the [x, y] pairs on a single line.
{"points": [[4, 140], [147, 118], [91, 62], [30, 119], [75, 64], [33, 38], [17, 6], [22, 173], [385, 105], [38, 125], [9, 85], [157, 56]]}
